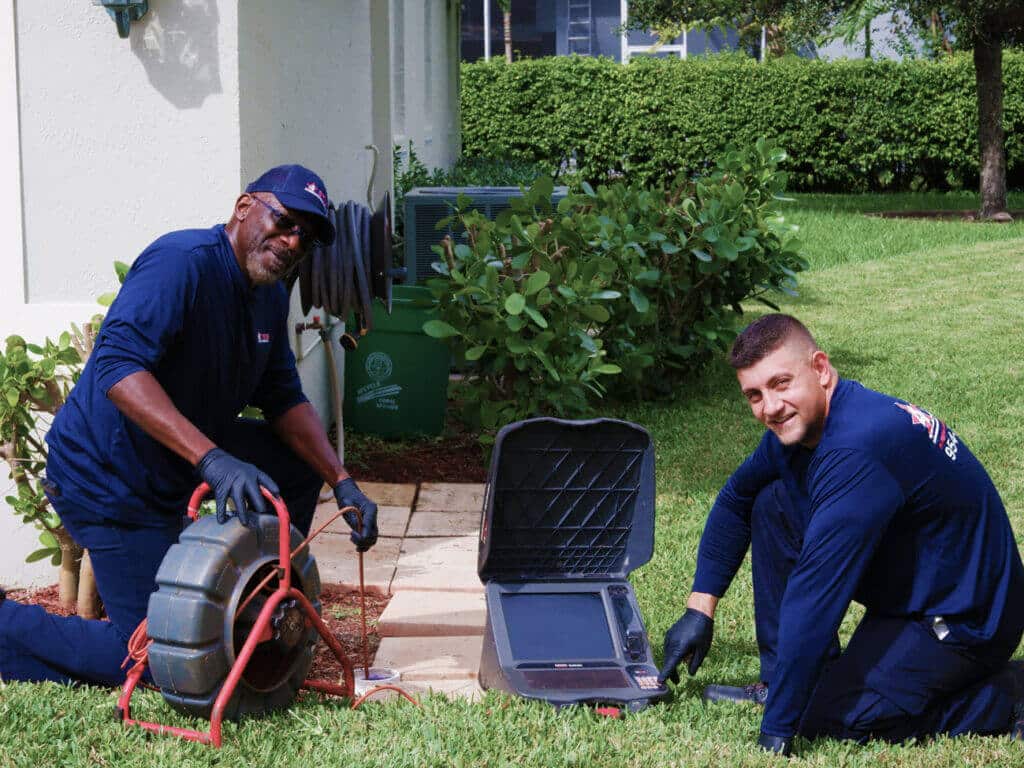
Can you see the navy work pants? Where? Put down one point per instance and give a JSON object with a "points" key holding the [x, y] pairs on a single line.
{"points": [[896, 679], [36, 645]]}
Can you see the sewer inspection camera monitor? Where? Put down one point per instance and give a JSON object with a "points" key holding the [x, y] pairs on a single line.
{"points": [[569, 513]]}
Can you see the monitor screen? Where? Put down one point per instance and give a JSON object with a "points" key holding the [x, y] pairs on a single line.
{"points": [[557, 626]]}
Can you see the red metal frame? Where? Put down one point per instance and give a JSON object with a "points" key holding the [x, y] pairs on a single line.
{"points": [[259, 632]]}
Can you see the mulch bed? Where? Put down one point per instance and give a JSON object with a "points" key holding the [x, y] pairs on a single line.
{"points": [[455, 457], [341, 612], [44, 596]]}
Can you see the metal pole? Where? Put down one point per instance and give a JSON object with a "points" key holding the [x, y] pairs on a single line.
{"points": [[623, 17], [487, 30], [336, 394], [764, 40]]}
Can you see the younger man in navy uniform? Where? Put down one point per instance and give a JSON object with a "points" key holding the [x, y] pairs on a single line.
{"points": [[198, 332], [855, 495]]}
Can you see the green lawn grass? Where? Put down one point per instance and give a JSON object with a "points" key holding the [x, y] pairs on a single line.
{"points": [[835, 230], [937, 323]]}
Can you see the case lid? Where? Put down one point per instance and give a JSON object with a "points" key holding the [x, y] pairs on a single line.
{"points": [[568, 499]]}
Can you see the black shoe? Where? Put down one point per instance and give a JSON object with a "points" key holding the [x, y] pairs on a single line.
{"points": [[756, 693], [1017, 728]]}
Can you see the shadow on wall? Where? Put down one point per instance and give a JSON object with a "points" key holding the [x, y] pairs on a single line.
{"points": [[177, 45]]}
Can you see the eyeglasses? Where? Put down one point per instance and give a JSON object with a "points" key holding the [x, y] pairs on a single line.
{"points": [[289, 226]]}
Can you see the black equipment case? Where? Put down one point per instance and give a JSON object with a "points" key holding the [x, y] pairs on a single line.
{"points": [[569, 513]]}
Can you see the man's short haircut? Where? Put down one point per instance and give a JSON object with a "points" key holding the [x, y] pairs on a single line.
{"points": [[764, 336]]}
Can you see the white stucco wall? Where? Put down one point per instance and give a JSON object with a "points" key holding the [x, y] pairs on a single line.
{"points": [[305, 90], [106, 143], [120, 141], [425, 56], [305, 97]]}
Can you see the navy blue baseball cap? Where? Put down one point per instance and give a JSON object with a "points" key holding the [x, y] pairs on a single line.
{"points": [[299, 189]]}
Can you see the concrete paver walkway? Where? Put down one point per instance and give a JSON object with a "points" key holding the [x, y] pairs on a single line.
{"points": [[417, 614], [432, 630]]}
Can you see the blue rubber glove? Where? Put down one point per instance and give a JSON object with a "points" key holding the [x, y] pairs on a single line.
{"points": [[238, 480], [347, 494], [775, 744], [690, 636]]}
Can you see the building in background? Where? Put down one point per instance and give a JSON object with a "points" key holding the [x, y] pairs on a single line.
{"points": [[584, 27], [594, 28], [886, 41], [107, 143]]}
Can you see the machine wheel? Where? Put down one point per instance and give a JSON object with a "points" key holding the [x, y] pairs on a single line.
{"points": [[196, 628]]}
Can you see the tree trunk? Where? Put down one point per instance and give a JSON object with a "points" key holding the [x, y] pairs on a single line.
{"points": [[939, 34], [776, 41], [88, 596], [988, 73], [507, 22], [70, 560]]}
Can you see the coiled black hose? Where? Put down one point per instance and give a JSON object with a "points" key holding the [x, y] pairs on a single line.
{"points": [[345, 277]]}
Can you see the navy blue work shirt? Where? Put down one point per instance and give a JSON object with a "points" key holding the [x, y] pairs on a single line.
{"points": [[897, 514], [188, 315]]}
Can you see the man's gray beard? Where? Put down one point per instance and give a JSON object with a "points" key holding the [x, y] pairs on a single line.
{"points": [[257, 273]]}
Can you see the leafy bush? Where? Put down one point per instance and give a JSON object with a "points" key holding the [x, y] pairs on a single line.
{"points": [[522, 300], [35, 380], [850, 125], [411, 172], [551, 306], [686, 257], [34, 383]]}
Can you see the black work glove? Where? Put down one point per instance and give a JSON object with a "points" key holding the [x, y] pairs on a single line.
{"points": [[347, 494], [239, 480], [775, 744], [690, 636]]}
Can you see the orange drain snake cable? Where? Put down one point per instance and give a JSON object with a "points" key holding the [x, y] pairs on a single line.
{"points": [[138, 644]]}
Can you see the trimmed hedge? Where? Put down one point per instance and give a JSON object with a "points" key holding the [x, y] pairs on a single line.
{"points": [[848, 126]]}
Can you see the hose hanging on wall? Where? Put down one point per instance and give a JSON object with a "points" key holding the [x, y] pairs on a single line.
{"points": [[345, 277]]}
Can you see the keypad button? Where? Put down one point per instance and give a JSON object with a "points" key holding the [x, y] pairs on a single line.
{"points": [[647, 682]]}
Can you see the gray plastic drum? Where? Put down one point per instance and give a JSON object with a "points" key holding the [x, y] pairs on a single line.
{"points": [[197, 630]]}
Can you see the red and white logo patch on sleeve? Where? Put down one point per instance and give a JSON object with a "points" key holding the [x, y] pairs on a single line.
{"points": [[262, 337], [940, 435]]}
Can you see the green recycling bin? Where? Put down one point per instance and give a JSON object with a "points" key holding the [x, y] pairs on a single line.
{"points": [[396, 381]]}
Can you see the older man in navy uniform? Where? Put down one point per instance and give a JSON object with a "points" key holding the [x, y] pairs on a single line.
{"points": [[855, 495], [198, 332]]}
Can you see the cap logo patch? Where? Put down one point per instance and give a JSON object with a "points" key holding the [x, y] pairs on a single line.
{"points": [[318, 193], [262, 337]]}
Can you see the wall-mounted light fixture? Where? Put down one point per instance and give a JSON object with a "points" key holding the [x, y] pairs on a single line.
{"points": [[124, 12]]}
